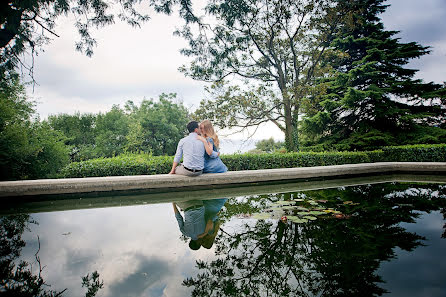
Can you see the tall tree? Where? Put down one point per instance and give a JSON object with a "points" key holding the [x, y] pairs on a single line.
{"points": [[276, 47], [372, 98], [28, 148], [156, 126], [80, 132], [111, 130]]}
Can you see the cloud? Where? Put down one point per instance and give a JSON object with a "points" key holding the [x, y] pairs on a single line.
{"points": [[154, 262], [421, 21], [128, 64], [131, 63], [148, 274]]}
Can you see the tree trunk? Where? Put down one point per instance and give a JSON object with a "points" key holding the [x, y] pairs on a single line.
{"points": [[291, 124], [289, 136], [289, 129], [295, 124]]}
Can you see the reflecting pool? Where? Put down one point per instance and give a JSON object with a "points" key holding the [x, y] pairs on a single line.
{"points": [[367, 240]]}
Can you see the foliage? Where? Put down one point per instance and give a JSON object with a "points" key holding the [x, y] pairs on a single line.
{"points": [[92, 284], [269, 145], [125, 164], [28, 148], [289, 160], [49, 153], [416, 153], [156, 127], [276, 47], [79, 128], [326, 257], [28, 25], [371, 98], [80, 133], [111, 131], [136, 164], [143, 163]]}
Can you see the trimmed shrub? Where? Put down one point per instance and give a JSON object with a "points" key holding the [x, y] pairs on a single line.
{"points": [[129, 164], [137, 164], [289, 160], [416, 153], [377, 156]]}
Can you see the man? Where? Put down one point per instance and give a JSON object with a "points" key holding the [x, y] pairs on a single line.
{"points": [[192, 150], [193, 224]]}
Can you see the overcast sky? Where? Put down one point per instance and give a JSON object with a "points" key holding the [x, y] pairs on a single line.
{"points": [[130, 64]]}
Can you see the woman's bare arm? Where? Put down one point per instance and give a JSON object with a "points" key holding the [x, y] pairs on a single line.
{"points": [[207, 145]]}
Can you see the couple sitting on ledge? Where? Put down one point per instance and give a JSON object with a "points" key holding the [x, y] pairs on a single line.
{"points": [[199, 151], [200, 154]]}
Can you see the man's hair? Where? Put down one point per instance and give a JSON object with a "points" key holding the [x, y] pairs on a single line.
{"points": [[192, 126], [194, 245]]}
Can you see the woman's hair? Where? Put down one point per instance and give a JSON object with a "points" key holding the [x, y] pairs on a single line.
{"points": [[208, 130], [208, 240]]}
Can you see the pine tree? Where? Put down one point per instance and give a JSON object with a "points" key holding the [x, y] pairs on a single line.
{"points": [[371, 99]]}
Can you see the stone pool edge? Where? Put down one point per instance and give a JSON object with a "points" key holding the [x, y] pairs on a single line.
{"points": [[166, 181]]}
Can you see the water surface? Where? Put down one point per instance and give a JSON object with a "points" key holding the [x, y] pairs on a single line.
{"points": [[384, 239]]}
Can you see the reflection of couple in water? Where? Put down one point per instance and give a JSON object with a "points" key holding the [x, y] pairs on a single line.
{"points": [[200, 153], [200, 221]]}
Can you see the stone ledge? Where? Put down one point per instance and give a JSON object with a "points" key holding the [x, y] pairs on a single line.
{"points": [[166, 181]]}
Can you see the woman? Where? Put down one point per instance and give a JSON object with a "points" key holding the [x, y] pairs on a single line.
{"points": [[211, 143]]}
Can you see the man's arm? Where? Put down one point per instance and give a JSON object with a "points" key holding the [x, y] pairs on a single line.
{"points": [[177, 158], [174, 165], [175, 209], [179, 218]]}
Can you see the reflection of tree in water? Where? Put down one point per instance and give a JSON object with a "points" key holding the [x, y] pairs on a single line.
{"points": [[17, 278], [443, 211], [326, 257]]}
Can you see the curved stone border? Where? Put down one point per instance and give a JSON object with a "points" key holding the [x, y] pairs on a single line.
{"points": [[165, 181]]}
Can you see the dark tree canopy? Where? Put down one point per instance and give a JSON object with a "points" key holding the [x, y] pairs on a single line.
{"points": [[372, 98]]}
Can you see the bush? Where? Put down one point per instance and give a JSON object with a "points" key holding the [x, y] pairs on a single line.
{"points": [[416, 153], [126, 164], [289, 160], [136, 164], [29, 149]]}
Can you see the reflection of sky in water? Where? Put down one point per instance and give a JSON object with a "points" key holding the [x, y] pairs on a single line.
{"points": [[138, 252], [423, 271]]}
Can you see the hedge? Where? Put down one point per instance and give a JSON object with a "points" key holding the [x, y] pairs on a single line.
{"points": [[131, 164], [416, 153], [289, 160], [137, 164]]}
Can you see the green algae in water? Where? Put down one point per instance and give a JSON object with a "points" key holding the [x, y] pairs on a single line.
{"points": [[311, 218], [297, 220], [261, 216]]}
